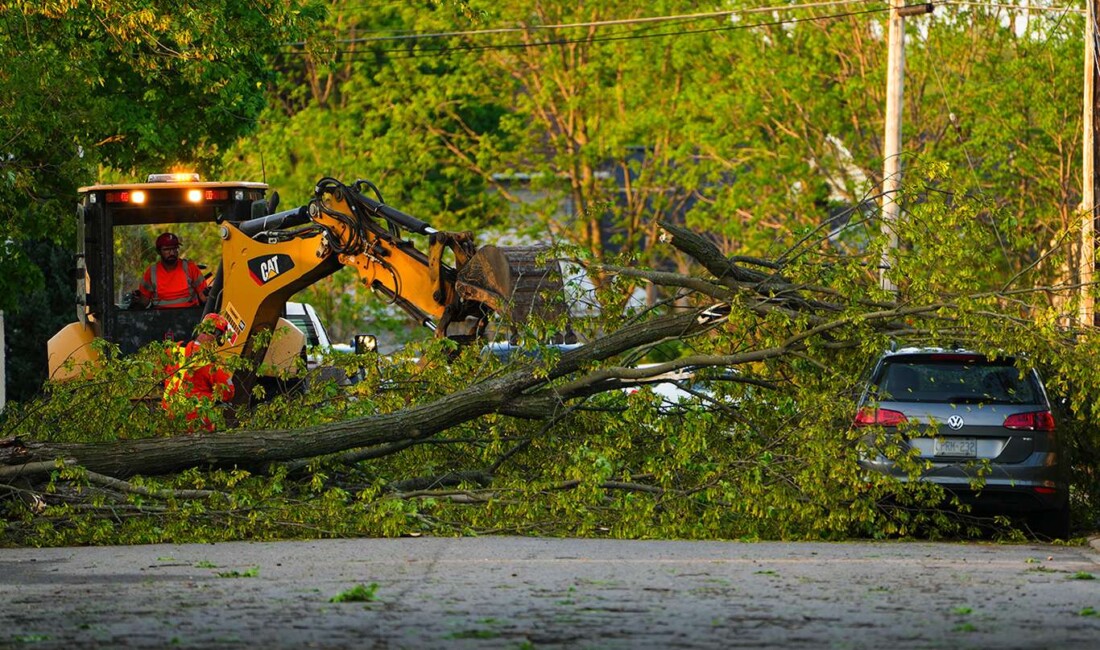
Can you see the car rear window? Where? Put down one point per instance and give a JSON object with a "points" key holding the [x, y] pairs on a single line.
{"points": [[960, 379]]}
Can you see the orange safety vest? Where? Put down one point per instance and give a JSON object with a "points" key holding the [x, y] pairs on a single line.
{"points": [[173, 289]]}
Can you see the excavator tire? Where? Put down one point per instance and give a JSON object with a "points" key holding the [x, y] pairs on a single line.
{"points": [[512, 282]]}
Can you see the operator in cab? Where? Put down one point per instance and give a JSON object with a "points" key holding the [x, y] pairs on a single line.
{"points": [[172, 282]]}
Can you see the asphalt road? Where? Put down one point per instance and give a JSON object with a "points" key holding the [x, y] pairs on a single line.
{"points": [[507, 592]]}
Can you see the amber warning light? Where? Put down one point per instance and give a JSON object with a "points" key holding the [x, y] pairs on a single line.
{"points": [[185, 177]]}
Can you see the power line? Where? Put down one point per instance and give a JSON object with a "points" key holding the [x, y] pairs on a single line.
{"points": [[399, 36], [642, 21], [598, 23], [999, 5], [443, 49]]}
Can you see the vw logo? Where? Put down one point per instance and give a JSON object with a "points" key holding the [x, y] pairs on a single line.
{"points": [[955, 422]]}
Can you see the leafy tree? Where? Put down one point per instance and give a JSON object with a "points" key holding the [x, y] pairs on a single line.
{"points": [[125, 87], [131, 84], [45, 305], [772, 127], [820, 110], [601, 119], [1021, 142]]}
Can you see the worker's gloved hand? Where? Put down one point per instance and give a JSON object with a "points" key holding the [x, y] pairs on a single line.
{"points": [[132, 300]]}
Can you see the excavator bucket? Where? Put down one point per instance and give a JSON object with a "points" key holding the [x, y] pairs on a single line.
{"points": [[512, 281]]}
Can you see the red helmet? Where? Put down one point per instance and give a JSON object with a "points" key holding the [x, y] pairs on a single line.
{"points": [[168, 240]]}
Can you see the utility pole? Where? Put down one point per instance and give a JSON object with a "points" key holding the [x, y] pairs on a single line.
{"points": [[1087, 257], [891, 142]]}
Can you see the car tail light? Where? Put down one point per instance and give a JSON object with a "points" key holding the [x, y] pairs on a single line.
{"points": [[869, 415], [1034, 421]]}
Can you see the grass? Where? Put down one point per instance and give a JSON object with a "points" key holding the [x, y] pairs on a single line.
{"points": [[1042, 569], [248, 573], [357, 594]]}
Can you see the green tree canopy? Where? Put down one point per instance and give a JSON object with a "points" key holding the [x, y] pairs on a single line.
{"points": [[131, 85]]}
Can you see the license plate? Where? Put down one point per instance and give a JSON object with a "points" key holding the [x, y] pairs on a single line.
{"points": [[962, 447]]}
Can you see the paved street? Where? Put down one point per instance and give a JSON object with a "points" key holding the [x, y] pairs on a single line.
{"points": [[507, 592]]}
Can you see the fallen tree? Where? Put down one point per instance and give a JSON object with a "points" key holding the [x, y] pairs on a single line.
{"points": [[790, 335], [522, 392]]}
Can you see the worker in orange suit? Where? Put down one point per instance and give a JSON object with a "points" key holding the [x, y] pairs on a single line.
{"points": [[172, 282], [196, 383]]}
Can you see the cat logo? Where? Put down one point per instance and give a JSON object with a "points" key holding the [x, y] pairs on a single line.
{"points": [[265, 269]]}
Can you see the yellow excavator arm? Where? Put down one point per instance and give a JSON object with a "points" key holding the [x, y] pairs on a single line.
{"points": [[268, 259]]}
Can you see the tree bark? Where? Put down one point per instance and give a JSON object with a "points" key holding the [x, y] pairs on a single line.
{"points": [[255, 449]]}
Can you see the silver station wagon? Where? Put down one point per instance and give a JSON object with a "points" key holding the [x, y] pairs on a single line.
{"points": [[964, 414]]}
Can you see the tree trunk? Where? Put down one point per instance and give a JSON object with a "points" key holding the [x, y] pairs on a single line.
{"points": [[515, 393]]}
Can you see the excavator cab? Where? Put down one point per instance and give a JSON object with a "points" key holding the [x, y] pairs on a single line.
{"points": [[112, 252]]}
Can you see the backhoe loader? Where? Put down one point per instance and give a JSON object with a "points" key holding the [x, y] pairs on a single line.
{"points": [[457, 289]]}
